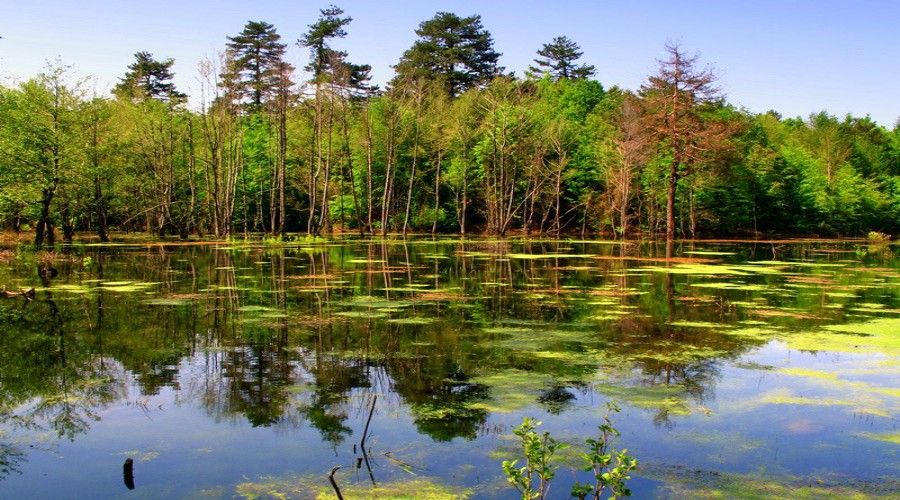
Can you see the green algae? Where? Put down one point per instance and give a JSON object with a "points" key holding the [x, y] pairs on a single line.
{"points": [[786, 397], [806, 372], [699, 324], [511, 390], [880, 336], [68, 288], [690, 483], [697, 270], [362, 314], [795, 263], [163, 301], [890, 437], [412, 321], [668, 399], [318, 487], [734, 286], [537, 256]]}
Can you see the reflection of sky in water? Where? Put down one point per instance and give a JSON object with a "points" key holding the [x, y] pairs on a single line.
{"points": [[213, 368]]}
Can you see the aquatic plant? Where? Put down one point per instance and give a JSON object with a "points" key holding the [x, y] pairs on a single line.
{"points": [[538, 450], [609, 467]]}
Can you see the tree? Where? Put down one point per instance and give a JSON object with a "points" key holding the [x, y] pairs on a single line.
{"points": [[255, 63], [222, 157], [621, 149], [99, 140], [329, 25], [674, 102], [40, 142], [324, 64], [149, 78], [558, 58], [457, 51]]}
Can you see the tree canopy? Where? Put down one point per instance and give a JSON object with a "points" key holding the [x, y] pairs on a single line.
{"points": [[451, 144], [559, 59], [255, 62], [457, 51], [149, 78]]}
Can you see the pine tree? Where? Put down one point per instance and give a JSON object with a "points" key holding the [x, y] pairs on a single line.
{"points": [[255, 63], [329, 25], [458, 51], [558, 58], [149, 78]]}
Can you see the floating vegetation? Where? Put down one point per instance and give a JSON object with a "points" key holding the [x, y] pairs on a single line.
{"points": [[786, 397], [318, 487], [710, 356], [126, 287], [665, 399], [889, 437], [794, 263], [412, 321], [362, 314], [168, 301], [880, 335], [511, 390], [699, 324], [682, 482], [536, 256], [735, 286]]}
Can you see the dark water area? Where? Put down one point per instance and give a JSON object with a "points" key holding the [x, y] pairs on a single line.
{"points": [[246, 370]]}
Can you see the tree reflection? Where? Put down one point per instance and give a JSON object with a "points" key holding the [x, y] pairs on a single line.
{"points": [[301, 335]]}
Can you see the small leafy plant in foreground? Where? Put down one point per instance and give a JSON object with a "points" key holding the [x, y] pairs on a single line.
{"points": [[538, 450], [610, 467]]}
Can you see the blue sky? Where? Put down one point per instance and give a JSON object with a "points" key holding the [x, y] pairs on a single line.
{"points": [[794, 56]]}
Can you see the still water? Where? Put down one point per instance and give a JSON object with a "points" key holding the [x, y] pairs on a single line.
{"points": [[245, 370]]}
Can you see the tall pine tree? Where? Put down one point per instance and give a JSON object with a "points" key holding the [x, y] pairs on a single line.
{"points": [[458, 51], [558, 58], [255, 65], [149, 78]]}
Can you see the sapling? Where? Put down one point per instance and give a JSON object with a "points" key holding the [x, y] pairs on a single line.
{"points": [[609, 466], [538, 450]]}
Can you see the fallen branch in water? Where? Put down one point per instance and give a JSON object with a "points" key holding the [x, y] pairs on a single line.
{"points": [[362, 442], [337, 491]]}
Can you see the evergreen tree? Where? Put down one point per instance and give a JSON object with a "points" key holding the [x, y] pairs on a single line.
{"points": [[559, 59], [149, 78], [255, 63], [458, 51], [329, 25]]}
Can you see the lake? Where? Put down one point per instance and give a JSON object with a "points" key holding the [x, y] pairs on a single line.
{"points": [[235, 369]]}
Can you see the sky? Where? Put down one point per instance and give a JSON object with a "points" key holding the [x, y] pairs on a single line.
{"points": [[793, 56]]}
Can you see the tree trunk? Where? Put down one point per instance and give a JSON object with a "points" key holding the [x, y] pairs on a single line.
{"points": [[670, 200], [44, 229], [437, 191]]}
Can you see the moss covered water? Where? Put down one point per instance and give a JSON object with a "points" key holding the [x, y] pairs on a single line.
{"points": [[248, 370]]}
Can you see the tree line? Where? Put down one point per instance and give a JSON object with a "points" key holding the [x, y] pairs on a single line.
{"points": [[453, 143]]}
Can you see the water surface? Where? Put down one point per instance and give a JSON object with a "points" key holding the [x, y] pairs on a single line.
{"points": [[230, 370]]}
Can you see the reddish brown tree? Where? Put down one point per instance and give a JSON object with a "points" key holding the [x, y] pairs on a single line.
{"points": [[676, 103]]}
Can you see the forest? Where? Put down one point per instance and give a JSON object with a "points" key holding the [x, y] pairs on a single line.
{"points": [[454, 143]]}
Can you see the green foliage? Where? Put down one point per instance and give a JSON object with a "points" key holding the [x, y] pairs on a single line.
{"points": [[609, 467], [456, 51], [452, 138], [558, 59], [533, 479]]}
